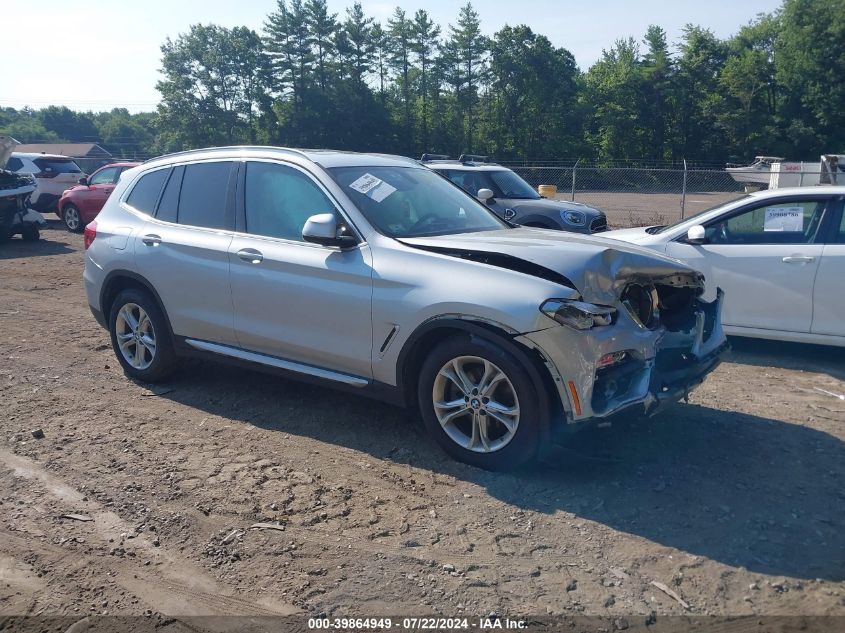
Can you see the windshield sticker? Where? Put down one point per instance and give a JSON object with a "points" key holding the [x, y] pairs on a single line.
{"points": [[784, 219], [372, 187]]}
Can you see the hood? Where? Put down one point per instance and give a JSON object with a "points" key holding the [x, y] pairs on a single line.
{"points": [[545, 206], [598, 268], [7, 146], [634, 236]]}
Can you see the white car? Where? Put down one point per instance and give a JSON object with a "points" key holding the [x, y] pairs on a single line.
{"points": [[53, 174], [778, 255]]}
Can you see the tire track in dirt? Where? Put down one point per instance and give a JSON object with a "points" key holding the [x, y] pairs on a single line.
{"points": [[178, 587]]}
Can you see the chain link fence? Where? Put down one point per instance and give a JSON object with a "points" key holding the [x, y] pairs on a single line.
{"points": [[637, 196]]}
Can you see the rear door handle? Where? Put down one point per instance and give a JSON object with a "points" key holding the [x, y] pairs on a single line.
{"points": [[251, 255], [799, 259], [151, 240]]}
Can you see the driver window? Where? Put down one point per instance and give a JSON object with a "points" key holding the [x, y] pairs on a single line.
{"points": [[278, 200], [794, 222], [104, 176]]}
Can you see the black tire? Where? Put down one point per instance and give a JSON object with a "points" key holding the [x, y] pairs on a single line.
{"points": [[72, 219], [525, 441], [163, 361], [7, 218], [30, 233]]}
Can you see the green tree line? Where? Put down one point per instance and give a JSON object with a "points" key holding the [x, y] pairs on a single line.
{"points": [[312, 78]]}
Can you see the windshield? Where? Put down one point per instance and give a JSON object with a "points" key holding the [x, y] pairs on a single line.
{"points": [[413, 202], [654, 230], [502, 182], [509, 185]]}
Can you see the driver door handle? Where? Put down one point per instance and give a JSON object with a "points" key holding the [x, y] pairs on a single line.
{"points": [[251, 255], [798, 259], [151, 240]]}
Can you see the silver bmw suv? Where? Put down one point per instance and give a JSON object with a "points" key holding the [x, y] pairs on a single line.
{"points": [[375, 274]]}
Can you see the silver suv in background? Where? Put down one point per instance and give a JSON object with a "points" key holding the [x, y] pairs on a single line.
{"points": [[511, 198], [376, 275]]}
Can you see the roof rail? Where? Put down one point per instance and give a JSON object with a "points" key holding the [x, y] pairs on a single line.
{"points": [[427, 157], [473, 158], [226, 148]]}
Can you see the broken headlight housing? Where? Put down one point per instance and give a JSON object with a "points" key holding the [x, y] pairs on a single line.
{"points": [[642, 303], [578, 315]]}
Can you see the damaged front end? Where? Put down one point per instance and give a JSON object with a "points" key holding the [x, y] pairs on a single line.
{"points": [[651, 348]]}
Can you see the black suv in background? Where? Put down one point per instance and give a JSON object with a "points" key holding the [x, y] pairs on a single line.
{"points": [[513, 199]]}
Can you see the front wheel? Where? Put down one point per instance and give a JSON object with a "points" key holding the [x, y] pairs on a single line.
{"points": [[140, 337], [479, 404], [30, 234], [72, 219]]}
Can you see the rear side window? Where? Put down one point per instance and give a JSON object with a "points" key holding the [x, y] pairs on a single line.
{"points": [[840, 237], [57, 166], [144, 194], [14, 164], [202, 201]]}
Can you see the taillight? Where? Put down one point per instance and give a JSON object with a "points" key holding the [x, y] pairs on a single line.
{"points": [[46, 174], [90, 234]]}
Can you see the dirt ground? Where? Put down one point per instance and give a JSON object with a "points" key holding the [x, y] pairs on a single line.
{"points": [[734, 502]]}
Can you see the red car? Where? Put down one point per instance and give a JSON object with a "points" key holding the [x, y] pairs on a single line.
{"points": [[81, 204]]}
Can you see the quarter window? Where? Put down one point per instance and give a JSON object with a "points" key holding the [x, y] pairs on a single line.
{"points": [[169, 203], [794, 222], [278, 200], [144, 194], [14, 164], [105, 176], [202, 201]]}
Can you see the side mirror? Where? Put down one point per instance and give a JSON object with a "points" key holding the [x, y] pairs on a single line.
{"points": [[696, 235], [485, 195], [83, 181], [322, 229]]}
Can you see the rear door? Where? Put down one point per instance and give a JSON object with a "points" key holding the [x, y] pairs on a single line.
{"points": [[183, 250], [764, 256], [828, 294], [296, 300]]}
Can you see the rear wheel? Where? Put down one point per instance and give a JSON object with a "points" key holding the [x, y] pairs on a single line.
{"points": [[72, 219], [140, 337], [479, 404]]}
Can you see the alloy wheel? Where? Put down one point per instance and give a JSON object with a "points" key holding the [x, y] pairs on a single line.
{"points": [[476, 404], [135, 336], [72, 219]]}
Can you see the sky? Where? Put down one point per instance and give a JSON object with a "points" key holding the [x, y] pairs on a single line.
{"points": [[106, 53]]}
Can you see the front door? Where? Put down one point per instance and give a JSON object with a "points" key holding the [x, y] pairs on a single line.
{"points": [[292, 299], [99, 189], [764, 256]]}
